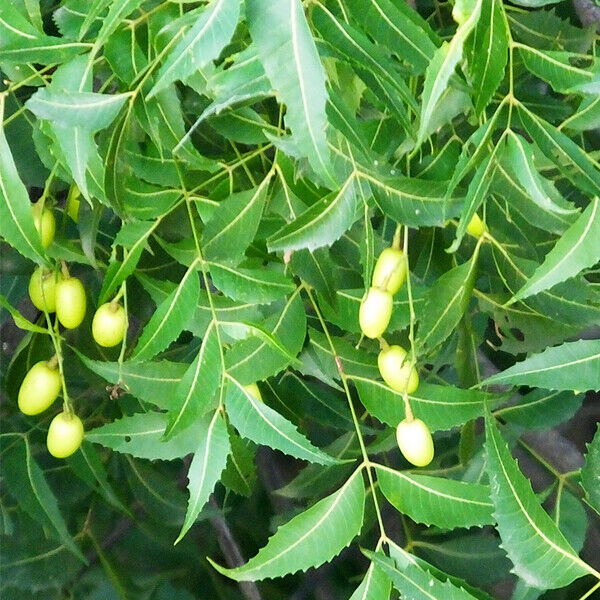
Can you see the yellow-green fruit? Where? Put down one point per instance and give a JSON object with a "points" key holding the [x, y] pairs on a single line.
{"points": [[70, 302], [375, 312], [390, 270], [44, 222], [109, 324], [397, 371], [65, 435], [476, 227], [42, 289], [39, 388], [253, 390], [415, 442], [73, 203]]}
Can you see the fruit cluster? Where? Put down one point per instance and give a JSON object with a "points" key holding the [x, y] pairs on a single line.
{"points": [[56, 291], [413, 436]]}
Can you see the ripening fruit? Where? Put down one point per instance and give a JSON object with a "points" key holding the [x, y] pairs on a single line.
{"points": [[42, 289], [44, 222], [39, 388], [375, 312], [476, 227], [73, 203], [390, 270], [109, 324], [253, 390], [65, 435], [396, 371], [70, 302], [415, 442]]}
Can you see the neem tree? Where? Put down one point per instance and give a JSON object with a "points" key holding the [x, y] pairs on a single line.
{"points": [[254, 249]]}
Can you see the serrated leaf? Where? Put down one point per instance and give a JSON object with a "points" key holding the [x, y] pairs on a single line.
{"points": [[282, 37], [250, 285], [374, 586], [234, 224], [16, 219], [261, 424], [590, 473], [436, 501], [84, 109], [321, 224], [310, 538], [445, 304], [195, 392], [540, 553], [45, 50], [577, 249], [205, 469], [27, 484], [570, 366], [440, 407], [170, 317], [141, 435], [203, 43], [415, 583], [20, 321]]}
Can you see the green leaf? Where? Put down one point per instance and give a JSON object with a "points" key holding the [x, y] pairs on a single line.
{"points": [[576, 250], [540, 553], [435, 500], [194, 393], [45, 50], [16, 219], [489, 53], [170, 317], [27, 484], [445, 304], [20, 321], [375, 586], [321, 224], [118, 11], [203, 43], [590, 474], [84, 109], [415, 583], [441, 68], [309, 539], [571, 366], [261, 424], [282, 36], [234, 224], [206, 467], [142, 436], [440, 407], [250, 285]]}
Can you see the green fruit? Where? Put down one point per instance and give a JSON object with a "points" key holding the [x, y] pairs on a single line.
{"points": [[397, 371], [70, 302], [476, 227], [109, 324], [253, 390], [375, 312], [65, 435], [415, 442], [73, 203], [39, 388], [44, 222], [390, 270], [42, 289]]}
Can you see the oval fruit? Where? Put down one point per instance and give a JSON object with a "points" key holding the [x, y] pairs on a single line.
{"points": [[415, 442], [70, 302], [397, 371], [375, 312], [39, 388], [253, 390], [65, 435], [109, 324], [390, 270], [73, 203], [42, 289], [44, 222], [476, 227]]}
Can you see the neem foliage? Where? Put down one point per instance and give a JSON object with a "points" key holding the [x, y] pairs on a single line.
{"points": [[213, 184]]}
